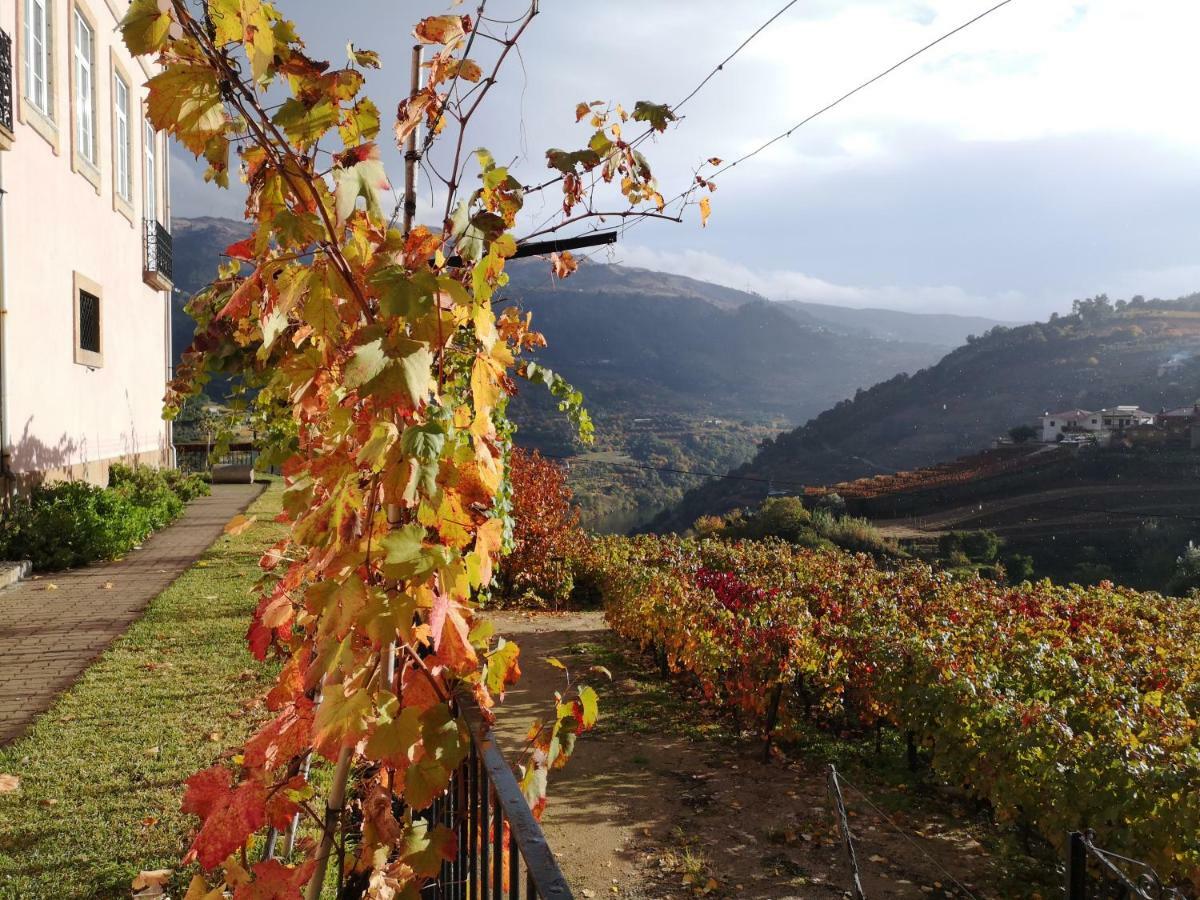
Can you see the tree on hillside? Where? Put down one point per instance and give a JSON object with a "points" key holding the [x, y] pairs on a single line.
{"points": [[1022, 434]]}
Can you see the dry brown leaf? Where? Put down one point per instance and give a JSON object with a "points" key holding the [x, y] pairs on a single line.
{"points": [[238, 524], [152, 878]]}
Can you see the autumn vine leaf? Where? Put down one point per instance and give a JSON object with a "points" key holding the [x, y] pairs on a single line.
{"points": [[378, 365]]}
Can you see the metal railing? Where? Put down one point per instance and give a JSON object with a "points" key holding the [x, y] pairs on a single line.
{"points": [[502, 853], [6, 81], [1096, 874], [196, 456], [158, 248]]}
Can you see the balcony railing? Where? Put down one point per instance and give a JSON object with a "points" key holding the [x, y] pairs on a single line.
{"points": [[6, 88], [157, 272]]}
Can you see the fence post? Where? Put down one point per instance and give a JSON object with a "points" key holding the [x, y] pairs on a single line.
{"points": [[835, 791], [772, 719], [1076, 867]]}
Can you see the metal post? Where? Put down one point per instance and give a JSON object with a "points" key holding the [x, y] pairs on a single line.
{"points": [[1076, 867], [772, 718], [835, 789], [410, 150], [410, 211]]}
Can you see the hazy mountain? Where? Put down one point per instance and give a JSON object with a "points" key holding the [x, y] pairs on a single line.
{"points": [[891, 325], [678, 373], [1146, 353]]}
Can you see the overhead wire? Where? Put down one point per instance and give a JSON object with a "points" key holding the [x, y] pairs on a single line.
{"points": [[683, 195], [720, 67]]}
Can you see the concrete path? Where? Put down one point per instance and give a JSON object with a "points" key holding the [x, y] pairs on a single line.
{"points": [[53, 626]]}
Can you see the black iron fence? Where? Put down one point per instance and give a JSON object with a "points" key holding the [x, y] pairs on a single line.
{"points": [[502, 853], [158, 249], [197, 456], [1097, 874]]}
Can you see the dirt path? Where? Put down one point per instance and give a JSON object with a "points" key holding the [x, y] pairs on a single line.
{"points": [[660, 798]]}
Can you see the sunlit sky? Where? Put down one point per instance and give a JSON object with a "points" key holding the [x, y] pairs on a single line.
{"points": [[1049, 152]]}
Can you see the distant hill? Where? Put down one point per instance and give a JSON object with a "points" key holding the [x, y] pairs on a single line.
{"points": [[678, 373], [1146, 353], [891, 325]]}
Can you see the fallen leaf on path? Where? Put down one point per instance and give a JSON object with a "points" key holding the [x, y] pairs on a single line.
{"points": [[108, 585], [52, 586], [152, 878], [238, 524]]}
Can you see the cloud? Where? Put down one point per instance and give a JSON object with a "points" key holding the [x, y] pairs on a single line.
{"points": [[1043, 154], [784, 284]]}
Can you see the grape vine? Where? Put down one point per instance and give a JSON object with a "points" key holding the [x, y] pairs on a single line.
{"points": [[376, 362]]}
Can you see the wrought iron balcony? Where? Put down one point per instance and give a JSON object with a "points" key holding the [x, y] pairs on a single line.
{"points": [[6, 91], [157, 271]]}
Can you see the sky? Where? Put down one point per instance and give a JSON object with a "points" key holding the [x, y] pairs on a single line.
{"points": [[1049, 152]]}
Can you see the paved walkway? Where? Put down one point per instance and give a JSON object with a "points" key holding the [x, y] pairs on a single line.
{"points": [[48, 636]]}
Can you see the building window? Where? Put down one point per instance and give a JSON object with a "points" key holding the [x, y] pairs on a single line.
{"points": [[89, 322], [121, 170], [151, 211], [85, 89], [37, 55]]}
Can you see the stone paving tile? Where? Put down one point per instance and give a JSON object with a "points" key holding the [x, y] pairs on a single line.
{"points": [[49, 636]]}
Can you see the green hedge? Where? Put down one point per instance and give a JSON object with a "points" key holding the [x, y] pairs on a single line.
{"points": [[73, 523]]}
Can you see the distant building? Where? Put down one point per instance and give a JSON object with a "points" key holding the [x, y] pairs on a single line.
{"points": [[1082, 425], [1055, 425], [1178, 418], [1121, 417]]}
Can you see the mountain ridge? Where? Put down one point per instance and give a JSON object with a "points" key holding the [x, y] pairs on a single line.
{"points": [[1145, 352]]}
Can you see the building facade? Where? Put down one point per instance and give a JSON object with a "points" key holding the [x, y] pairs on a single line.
{"points": [[1055, 425], [85, 260]]}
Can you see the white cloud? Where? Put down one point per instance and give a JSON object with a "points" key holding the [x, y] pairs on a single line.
{"points": [[993, 175], [783, 284]]}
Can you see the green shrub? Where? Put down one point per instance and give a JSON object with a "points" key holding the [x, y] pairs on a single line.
{"points": [[1019, 567], [854, 534], [72, 523], [188, 486], [981, 546], [147, 489]]}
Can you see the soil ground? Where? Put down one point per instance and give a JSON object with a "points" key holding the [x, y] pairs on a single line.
{"points": [[663, 800]]}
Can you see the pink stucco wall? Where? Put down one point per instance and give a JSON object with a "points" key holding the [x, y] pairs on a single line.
{"points": [[56, 222]]}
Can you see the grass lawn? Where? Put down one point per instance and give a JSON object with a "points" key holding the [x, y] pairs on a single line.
{"points": [[101, 771]]}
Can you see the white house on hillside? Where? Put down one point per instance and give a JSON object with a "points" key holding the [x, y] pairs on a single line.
{"points": [[1120, 417], [1100, 422], [85, 246], [1054, 424]]}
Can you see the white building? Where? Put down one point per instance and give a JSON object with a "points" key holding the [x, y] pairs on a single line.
{"points": [[1054, 424], [85, 248], [1121, 417]]}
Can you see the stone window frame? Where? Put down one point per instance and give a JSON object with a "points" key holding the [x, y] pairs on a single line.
{"points": [[89, 358]]}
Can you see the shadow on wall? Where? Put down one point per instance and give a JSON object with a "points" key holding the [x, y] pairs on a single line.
{"points": [[30, 458], [33, 461]]}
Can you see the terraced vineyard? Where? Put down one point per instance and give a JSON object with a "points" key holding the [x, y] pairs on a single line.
{"points": [[1062, 707]]}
